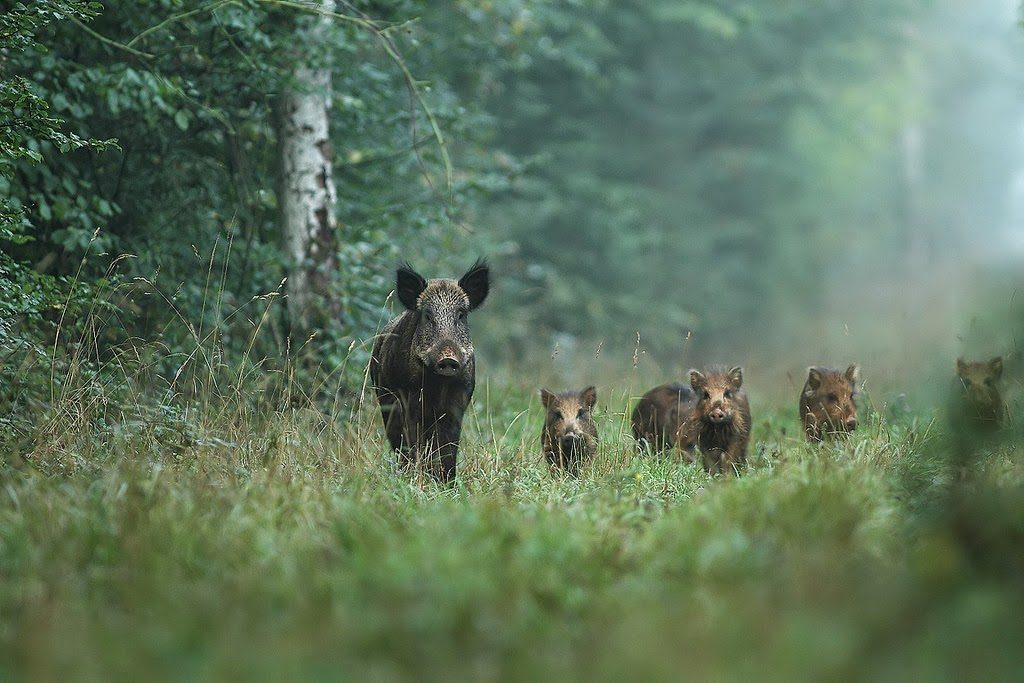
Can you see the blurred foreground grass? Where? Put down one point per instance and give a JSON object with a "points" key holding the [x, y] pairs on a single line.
{"points": [[287, 547]]}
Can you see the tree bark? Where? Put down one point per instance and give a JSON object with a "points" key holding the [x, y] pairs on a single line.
{"points": [[308, 195]]}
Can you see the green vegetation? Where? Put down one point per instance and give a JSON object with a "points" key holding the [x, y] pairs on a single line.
{"points": [[703, 173], [288, 546], [194, 486]]}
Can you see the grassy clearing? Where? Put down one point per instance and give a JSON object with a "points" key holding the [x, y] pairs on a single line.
{"points": [[286, 545]]}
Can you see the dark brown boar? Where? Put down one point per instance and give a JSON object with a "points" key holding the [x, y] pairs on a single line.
{"points": [[659, 415], [828, 402], [423, 368], [720, 422], [978, 404], [570, 435]]}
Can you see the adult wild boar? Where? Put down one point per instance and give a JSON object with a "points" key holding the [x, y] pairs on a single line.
{"points": [[423, 367], [828, 402]]}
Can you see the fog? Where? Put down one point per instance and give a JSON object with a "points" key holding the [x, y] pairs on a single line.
{"points": [[881, 222]]}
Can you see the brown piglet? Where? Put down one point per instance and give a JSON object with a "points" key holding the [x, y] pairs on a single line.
{"points": [[720, 422], [570, 435], [828, 404], [978, 404], [660, 413]]}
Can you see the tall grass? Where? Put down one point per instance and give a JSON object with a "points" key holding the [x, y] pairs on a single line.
{"points": [[227, 531]]}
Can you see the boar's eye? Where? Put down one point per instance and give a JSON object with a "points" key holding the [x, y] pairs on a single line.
{"points": [[989, 382], [463, 315], [557, 414], [581, 413], [832, 398], [728, 393], [707, 396]]}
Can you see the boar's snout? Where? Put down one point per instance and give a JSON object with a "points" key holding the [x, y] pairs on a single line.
{"points": [[448, 366], [446, 359], [571, 434], [717, 415], [851, 423]]}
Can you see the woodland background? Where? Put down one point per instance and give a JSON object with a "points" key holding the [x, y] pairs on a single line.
{"points": [[665, 182]]}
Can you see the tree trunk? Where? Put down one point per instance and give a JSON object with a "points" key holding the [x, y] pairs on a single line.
{"points": [[308, 195]]}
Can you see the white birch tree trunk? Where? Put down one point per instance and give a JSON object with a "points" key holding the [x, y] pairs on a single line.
{"points": [[308, 196]]}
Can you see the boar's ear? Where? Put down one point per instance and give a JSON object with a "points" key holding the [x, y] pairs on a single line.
{"points": [[961, 366], [853, 373], [476, 283], [546, 397], [813, 378], [995, 366], [697, 379], [736, 377], [589, 397], [409, 285]]}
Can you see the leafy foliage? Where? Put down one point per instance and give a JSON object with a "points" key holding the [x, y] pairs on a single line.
{"points": [[726, 148], [34, 305], [28, 129]]}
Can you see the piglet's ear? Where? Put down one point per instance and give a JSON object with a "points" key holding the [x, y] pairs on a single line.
{"points": [[409, 285], [736, 377], [476, 283], [546, 397], [813, 378], [853, 373], [996, 366], [697, 380], [589, 397]]}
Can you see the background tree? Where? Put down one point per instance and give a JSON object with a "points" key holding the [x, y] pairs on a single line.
{"points": [[309, 198]]}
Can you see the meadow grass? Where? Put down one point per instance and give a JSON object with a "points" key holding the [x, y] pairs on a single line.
{"points": [[287, 545]]}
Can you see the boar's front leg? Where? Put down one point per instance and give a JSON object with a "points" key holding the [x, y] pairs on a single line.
{"points": [[734, 456], [725, 460], [409, 430], [712, 458], [393, 411], [446, 447], [812, 428], [685, 437]]}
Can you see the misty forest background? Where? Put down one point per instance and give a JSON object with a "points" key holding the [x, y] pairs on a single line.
{"points": [[655, 183]]}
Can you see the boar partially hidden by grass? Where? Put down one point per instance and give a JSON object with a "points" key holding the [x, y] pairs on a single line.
{"points": [[570, 435], [828, 402], [659, 415], [977, 402], [720, 422], [423, 367]]}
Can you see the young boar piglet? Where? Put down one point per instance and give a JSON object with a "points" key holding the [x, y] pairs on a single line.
{"points": [[659, 415], [720, 422], [979, 403], [828, 402], [570, 435]]}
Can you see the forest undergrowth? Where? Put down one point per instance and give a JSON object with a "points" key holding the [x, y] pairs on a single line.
{"points": [[233, 536]]}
